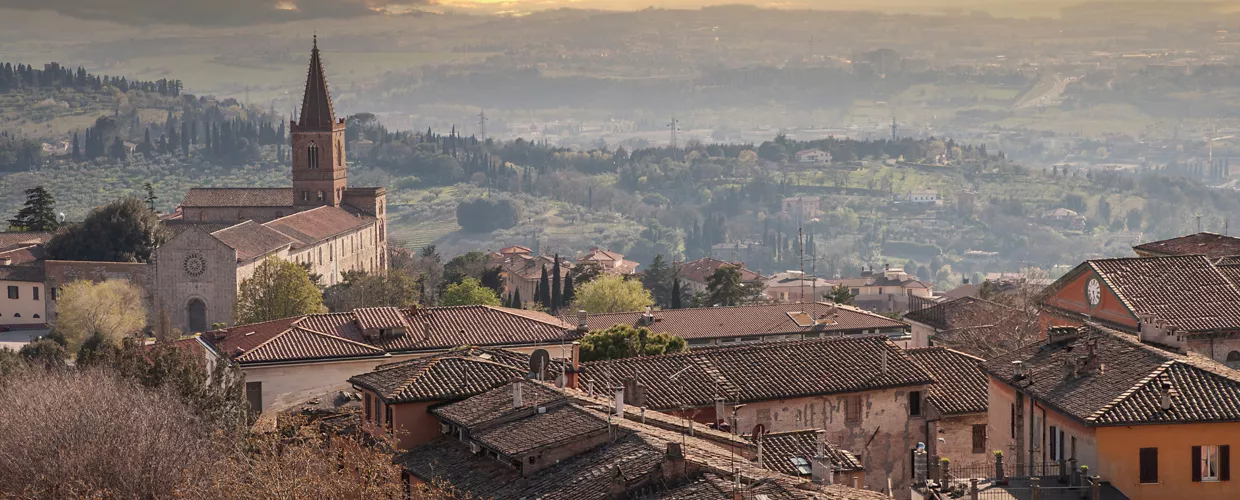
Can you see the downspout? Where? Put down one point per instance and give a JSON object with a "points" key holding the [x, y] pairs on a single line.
{"points": [[1032, 431]]}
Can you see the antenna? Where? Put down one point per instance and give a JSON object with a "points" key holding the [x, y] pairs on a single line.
{"points": [[674, 126], [482, 124], [894, 127]]}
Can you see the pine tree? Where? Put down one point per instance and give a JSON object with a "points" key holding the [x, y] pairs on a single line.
{"points": [[544, 286], [555, 283], [39, 213], [676, 293], [569, 294]]}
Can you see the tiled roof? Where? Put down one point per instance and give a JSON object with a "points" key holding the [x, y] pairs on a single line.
{"points": [[1123, 387], [302, 344], [319, 223], [557, 425], [252, 240], [960, 386], [701, 269], [380, 317], [1209, 244], [498, 403], [960, 313], [779, 448], [1186, 291], [23, 254], [740, 321], [763, 371], [32, 274], [456, 374], [238, 197], [11, 238]]}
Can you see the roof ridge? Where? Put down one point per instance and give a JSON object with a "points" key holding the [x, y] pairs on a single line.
{"points": [[282, 333], [1101, 411]]}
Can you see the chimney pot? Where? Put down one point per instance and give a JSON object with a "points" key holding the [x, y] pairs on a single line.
{"points": [[516, 394], [582, 324], [884, 364], [619, 401], [1164, 399]]}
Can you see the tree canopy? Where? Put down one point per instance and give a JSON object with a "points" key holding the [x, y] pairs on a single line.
{"points": [[113, 309], [277, 289], [726, 288], [483, 215], [394, 287], [625, 341], [39, 213], [610, 293], [469, 292], [841, 294], [125, 230]]}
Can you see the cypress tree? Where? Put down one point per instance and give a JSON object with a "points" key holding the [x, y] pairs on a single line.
{"points": [[555, 285], [544, 293], [675, 293], [516, 299], [569, 294], [77, 153]]}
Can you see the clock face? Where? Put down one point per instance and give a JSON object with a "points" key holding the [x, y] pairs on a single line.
{"points": [[195, 265], [1093, 292]]}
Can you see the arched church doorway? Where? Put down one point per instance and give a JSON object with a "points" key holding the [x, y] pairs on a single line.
{"points": [[197, 312]]}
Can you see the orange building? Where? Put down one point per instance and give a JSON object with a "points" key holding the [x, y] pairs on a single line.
{"points": [[1185, 302], [1153, 423]]}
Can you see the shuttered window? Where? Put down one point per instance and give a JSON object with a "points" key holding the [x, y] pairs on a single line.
{"points": [[1053, 441], [979, 438], [1149, 465], [914, 403], [852, 409]]}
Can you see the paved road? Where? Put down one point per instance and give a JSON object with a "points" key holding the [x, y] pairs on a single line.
{"points": [[16, 339]]}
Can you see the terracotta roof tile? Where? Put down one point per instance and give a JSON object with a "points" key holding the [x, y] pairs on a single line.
{"points": [[380, 317], [23, 254], [302, 344], [430, 329], [763, 371], [557, 425], [780, 448], [1187, 291], [960, 386], [1209, 244], [11, 238], [318, 224], [960, 313], [497, 403], [449, 376], [742, 321], [238, 197], [1122, 388], [701, 269], [252, 240], [32, 274]]}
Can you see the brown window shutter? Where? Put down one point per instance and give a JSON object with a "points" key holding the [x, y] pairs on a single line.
{"points": [[1224, 463], [1149, 465], [1196, 464]]}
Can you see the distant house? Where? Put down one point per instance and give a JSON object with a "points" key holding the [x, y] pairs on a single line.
{"points": [[709, 326], [695, 273], [287, 357], [795, 286], [1211, 245], [923, 197], [520, 270], [802, 208], [611, 262], [892, 290], [814, 155], [1063, 218]]}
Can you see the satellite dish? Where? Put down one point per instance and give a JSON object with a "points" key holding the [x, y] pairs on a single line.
{"points": [[758, 430], [540, 362]]}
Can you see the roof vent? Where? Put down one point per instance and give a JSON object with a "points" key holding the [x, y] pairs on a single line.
{"points": [[1164, 396]]}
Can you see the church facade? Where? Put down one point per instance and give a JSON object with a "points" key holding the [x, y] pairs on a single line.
{"points": [[222, 234]]}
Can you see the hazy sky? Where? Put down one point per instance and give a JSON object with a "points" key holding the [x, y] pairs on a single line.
{"points": [[249, 12]]}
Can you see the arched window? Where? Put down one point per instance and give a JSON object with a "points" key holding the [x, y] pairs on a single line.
{"points": [[17, 315], [312, 152], [36, 316]]}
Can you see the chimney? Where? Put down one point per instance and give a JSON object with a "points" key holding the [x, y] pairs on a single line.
{"points": [[571, 380], [674, 451], [582, 325], [516, 394], [1061, 334], [820, 466], [759, 439], [619, 401], [720, 410], [1164, 396], [884, 364]]}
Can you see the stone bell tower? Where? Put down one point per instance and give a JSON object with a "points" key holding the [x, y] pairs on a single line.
{"points": [[319, 172]]}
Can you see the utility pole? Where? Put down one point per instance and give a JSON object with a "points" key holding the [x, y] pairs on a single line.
{"points": [[674, 125], [894, 128], [482, 124]]}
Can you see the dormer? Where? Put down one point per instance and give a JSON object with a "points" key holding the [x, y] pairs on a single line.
{"points": [[377, 323]]}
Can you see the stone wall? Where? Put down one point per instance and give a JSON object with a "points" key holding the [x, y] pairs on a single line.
{"points": [[235, 214], [180, 282]]}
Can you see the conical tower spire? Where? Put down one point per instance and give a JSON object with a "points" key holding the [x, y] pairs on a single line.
{"points": [[316, 105]]}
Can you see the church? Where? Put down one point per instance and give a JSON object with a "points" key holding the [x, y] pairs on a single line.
{"points": [[222, 234]]}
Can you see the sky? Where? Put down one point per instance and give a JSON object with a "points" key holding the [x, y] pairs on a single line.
{"points": [[255, 12]]}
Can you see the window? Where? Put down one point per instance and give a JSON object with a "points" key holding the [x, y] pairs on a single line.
{"points": [[1149, 465], [254, 395], [1073, 454], [36, 293], [1013, 420], [979, 438], [312, 155], [1211, 463], [305, 196], [914, 403], [802, 466], [366, 408], [13, 292], [320, 196], [51, 292], [17, 315], [36, 316], [378, 415], [1053, 448], [852, 409]]}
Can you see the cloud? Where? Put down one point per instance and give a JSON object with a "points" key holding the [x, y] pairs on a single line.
{"points": [[211, 12]]}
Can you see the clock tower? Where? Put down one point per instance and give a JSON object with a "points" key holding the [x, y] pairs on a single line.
{"points": [[320, 176]]}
